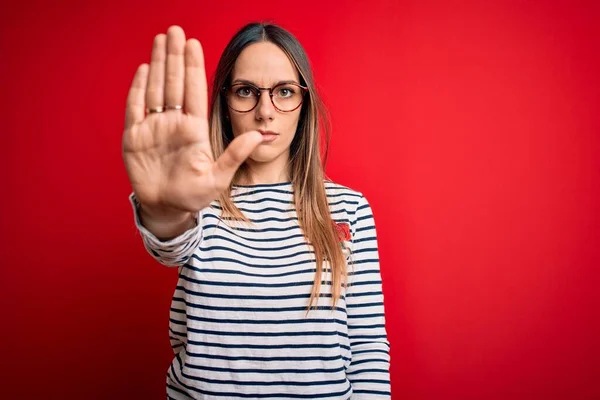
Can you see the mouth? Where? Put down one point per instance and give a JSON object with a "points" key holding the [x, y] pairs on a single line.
{"points": [[267, 133], [268, 136]]}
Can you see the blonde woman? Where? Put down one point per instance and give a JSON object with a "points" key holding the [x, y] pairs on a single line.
{"points": [[279, 291]]}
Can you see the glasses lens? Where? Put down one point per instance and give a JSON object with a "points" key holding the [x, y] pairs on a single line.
{"points": [[242, 97], [287, 97]]}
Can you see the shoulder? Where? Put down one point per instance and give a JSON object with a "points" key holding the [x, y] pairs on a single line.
{"points": [[335, 189], [351, 206], [352, 200]]}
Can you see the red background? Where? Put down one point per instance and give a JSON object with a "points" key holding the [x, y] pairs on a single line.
{"points": [[472, 127]]}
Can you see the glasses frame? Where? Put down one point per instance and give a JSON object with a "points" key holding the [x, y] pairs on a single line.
{"points": [[260, 90]]}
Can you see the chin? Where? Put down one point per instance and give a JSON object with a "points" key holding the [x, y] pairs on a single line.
{"points": [[264, 155]]}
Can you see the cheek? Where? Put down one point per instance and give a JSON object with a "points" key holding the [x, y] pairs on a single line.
{"points": [[291, 124], [239, 123]]}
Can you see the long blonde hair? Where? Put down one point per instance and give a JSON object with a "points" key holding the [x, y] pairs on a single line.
{"points": [[306, 161]]}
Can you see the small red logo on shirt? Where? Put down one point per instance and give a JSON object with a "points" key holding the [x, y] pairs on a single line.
{"points": [[343, 230]]}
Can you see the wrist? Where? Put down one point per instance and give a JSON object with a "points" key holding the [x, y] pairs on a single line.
{"points": [[165, 223]]}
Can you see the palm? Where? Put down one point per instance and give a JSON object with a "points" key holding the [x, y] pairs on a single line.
{"points": [[167, 155]]}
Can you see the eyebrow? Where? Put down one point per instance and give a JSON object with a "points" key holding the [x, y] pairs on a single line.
{"points": [[255, 84]]}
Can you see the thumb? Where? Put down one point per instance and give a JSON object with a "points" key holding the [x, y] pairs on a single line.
{"points": [[234, 155]]}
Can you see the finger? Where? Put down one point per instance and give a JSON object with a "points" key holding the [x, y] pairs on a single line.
{"points": [[156, 77], [175, 72], [234, 155], [134, 112], [195, 96]]}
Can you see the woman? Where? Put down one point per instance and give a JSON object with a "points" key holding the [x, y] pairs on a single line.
{"points": [[279, 289]]}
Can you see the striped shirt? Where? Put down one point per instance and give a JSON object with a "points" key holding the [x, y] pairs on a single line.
{"points": [[238, 323]]}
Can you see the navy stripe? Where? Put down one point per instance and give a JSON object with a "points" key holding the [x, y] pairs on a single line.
{"points": [[249, 193], [264, 185], [378, 282], [236, 261], [355, 352], [363, 218], [366, 228], [269, 347], [289, 228], [261, 359], [175, 389], [282, 274], [377, 293], [383, 382], [366, 239], [254, 220], [367, 326], [360, 316], [254, 309], [269, 371], [362, 207], [259, 321], [285, 383], [377, 392], [255, 285], [370, 343], [260, 240], [286, 193], [362, 371], [235, 272], [264, 334], [252, 297], [360, 305], [366, 250], [262, 257], [238, 201], [366, 361], [287, 210]]}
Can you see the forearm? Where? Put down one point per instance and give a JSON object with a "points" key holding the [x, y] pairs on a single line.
{"points": [[369, 369], [171, 238]]}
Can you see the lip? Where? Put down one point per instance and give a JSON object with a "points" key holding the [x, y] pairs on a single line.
{"points": [[265, 132], [268, 136]]}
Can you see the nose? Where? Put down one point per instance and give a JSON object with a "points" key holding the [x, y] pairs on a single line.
{"points": [[264, 108]]}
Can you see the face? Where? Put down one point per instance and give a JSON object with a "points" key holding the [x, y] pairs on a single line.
{"points": [[265, 65]]}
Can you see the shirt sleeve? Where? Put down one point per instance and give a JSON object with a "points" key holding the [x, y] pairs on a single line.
{"points": [[174, 252], [368, 371]]}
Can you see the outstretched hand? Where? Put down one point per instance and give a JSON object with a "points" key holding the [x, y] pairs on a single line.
{"points": [[166, 143]]}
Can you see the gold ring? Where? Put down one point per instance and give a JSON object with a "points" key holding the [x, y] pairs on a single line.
{"points": [[158, 109]]}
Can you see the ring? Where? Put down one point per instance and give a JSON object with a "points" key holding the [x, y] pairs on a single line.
{"points": [[175, 107], [158, 109]]}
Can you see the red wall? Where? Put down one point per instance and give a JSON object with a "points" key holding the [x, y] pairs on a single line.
{"points": [[472, 128]]}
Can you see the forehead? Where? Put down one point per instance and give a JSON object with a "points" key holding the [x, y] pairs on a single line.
{"points": [[264, 63]]}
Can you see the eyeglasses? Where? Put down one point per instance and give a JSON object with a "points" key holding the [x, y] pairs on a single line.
{"points": [[243, 97]]}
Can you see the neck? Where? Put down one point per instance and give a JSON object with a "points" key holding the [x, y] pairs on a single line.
{"points": [[266, 173]]}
